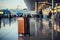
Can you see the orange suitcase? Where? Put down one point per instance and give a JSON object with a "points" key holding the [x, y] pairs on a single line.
{"points": [[21, 25]]}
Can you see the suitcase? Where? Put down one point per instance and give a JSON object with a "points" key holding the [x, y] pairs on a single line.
{"points": [[21, 25]]}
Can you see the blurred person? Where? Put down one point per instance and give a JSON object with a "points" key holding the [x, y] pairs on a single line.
{"points": [[41, 14], [41, 18], [50, 14], [50, 24], [27, 25]]}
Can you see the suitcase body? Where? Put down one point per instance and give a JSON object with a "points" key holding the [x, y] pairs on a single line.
{"points": [[21, 25]]}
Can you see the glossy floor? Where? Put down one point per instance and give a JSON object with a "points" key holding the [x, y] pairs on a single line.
{"points": [[39, 30]]}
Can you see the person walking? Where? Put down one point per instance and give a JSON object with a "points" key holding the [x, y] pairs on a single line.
{"points": [[41, 18]]}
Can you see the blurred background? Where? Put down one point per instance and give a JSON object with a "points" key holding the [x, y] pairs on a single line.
{"points": [[29, 20]]}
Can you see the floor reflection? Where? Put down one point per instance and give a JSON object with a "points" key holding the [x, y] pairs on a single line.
{"points": [[8, 28], [39, 30], [21, 39], [6, 21], [0, 22], [43, 30]]}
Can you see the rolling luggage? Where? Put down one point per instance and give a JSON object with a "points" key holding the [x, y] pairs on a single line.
{"points": [[21, 25], [24, 25]]}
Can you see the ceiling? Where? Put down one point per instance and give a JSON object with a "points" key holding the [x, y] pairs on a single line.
{"points": [[31, 3]]}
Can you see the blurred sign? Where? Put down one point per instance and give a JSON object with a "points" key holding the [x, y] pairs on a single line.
{"points": [[57, 10], [1, 12]]}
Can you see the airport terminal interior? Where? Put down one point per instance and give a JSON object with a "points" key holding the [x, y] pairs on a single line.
{"points": [[29, 19]]}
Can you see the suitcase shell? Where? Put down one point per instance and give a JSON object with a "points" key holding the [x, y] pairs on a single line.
{"points": [[27, 25], [21, 25]]}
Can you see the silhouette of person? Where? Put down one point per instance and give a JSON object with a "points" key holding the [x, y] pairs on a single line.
{"points": [[41, 17]]}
